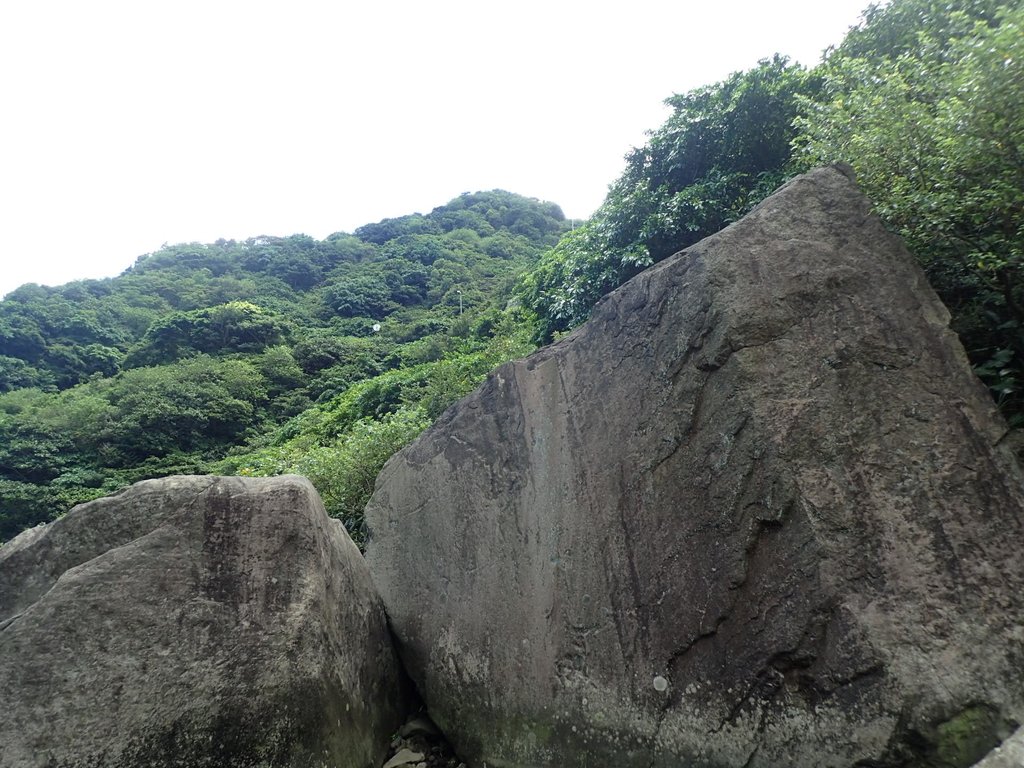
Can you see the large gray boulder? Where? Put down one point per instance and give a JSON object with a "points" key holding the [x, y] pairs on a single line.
{"points": [[194, 621], [754, 513]]}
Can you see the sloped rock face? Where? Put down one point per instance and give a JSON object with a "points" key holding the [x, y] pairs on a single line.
{"points": [[194, 621], [753, 513], [1010, 754]]}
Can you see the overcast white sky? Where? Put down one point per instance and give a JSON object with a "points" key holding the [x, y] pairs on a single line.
{"points": [[126, 125]]}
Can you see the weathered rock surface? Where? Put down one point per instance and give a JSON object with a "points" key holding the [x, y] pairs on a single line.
{"points": [[754, 513], [1010, 754], [194, 621]]}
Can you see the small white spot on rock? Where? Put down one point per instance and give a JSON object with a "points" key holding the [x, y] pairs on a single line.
{"points": [[660, 684]]}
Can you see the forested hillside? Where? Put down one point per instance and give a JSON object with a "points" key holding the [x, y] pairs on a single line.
{"points": [[321, 356], [925, 99]]}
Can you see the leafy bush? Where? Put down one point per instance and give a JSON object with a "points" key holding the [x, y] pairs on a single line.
{"points": [[725, 147], [345, 470]]}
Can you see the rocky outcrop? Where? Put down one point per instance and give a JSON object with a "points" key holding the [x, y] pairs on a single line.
{"points": [[754, 513], [194, 621]]}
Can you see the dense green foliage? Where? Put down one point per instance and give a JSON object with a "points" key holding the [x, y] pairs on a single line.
{"points": [[289, 354], [925, 99], [725, 147], [323, 357]]}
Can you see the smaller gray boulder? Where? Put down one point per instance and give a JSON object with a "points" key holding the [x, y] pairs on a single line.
{"points": [[194, 621]]}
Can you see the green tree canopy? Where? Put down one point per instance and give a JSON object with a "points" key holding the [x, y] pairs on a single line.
{"points": [[200, 350], [724, 148], [238, 326]]}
